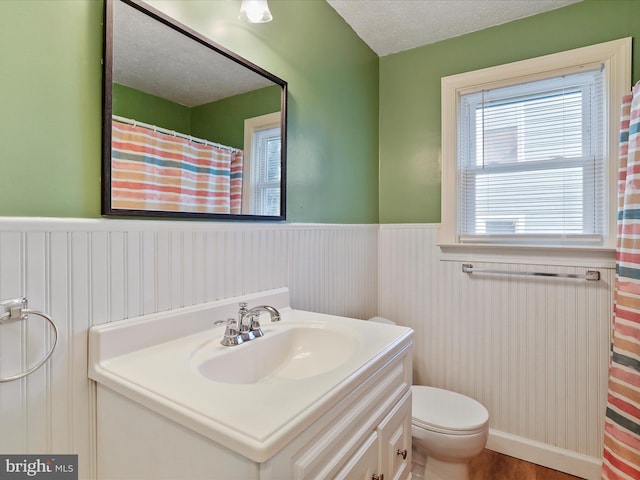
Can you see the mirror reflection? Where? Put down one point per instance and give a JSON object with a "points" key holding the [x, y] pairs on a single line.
{"points": [[191, 129]]}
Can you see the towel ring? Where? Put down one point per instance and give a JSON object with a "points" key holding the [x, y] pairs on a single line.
{"points": [[17, 310]]}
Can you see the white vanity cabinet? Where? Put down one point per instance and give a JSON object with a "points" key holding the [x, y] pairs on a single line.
{"points": [[318, 397], [367, 434], [386, 453], [395, 441], [363, 436]]}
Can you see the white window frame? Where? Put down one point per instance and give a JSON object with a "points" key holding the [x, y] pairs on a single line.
{"points": [[251, 125], [615, 56]]}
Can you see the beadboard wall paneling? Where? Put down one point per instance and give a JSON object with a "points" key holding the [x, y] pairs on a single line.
{"points": [[87, 272], [533, 350]]}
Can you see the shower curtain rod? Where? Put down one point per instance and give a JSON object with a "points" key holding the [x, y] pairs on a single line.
{"points": [[155, 128]]}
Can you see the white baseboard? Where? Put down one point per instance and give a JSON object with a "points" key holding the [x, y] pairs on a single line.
{"points": [[546, 455]]}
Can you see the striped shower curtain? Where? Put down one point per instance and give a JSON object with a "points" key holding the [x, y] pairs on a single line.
{"points": [[152, 170], [621, 456]]}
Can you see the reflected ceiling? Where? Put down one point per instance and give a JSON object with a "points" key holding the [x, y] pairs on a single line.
{"points": [[198, 79]]}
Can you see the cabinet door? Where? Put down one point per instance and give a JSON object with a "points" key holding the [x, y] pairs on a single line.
{"points": [[364, 463], [395, 441]]}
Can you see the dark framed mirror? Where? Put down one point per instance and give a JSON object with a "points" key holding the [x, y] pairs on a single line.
{"points": [[190, 129]]}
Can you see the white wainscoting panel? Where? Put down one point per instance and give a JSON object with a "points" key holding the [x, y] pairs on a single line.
{"points": [[87, 272], [533, 350]]}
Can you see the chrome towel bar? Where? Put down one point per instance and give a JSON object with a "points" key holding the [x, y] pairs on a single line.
{"points": [[588, 275]]}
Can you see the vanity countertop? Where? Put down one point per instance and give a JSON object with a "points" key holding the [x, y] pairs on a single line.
{"points": [[157, 360]]}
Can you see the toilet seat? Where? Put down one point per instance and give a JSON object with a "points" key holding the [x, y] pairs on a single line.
{"points": [[447, 412]]}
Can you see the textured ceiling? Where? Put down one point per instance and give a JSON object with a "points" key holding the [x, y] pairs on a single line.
{"points": [[391, 26], [153, 58]]}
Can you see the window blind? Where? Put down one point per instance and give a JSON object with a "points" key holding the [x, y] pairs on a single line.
{"points": [[531, 161], [266, 177]]}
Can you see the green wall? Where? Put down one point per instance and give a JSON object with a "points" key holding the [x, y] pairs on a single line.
{"points": [[224, 119], [143, 107], [50, 92], [51, 87], [410, 92]]}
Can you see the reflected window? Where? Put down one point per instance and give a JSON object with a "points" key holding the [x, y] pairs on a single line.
{"points": [[261, 178]]}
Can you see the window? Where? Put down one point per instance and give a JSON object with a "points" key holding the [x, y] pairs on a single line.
{"points": [[529, 150], [261, 176], [531, 160]]}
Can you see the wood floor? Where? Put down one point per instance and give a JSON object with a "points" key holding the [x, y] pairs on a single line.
{"points": [[495, 466]]}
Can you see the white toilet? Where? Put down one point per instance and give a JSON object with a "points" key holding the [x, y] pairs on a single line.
{"points": [[448, 430]]}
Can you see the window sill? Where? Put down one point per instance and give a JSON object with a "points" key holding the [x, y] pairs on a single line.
{"points": [[597, 257]]}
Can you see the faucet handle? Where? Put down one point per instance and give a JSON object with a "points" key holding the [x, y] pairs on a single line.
{"points": [[232, 326], [231, 335], [255, 326]]}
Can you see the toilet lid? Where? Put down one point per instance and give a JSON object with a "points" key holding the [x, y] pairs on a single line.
{"points": [[446, 411]]}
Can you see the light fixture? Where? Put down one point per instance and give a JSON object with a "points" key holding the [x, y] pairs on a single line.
{"points": [[255, 11]]}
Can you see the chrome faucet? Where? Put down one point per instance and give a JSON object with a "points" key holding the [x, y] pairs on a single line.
{"points": [[247, 327]]}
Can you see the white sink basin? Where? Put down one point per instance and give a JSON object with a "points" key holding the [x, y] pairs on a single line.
{"points": [[254, 397], [283, 354]]}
